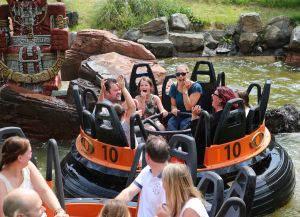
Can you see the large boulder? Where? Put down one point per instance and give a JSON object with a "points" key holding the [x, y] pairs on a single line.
{"points": [[250, 22], [92, 42], [283, 120], [278, 32], [187, 42], [133, 35], [295, 39], [157, 26], [247, 42], [160, 46], [180, 22], [114, 64]]}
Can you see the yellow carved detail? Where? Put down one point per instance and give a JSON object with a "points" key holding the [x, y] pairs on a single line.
{"points": [[42, 76]]}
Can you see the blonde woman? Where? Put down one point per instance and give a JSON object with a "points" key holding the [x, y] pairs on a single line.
{"points": [[183, 198]]}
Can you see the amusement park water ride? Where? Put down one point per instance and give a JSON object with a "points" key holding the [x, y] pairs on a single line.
{"points": [[101, 164]]}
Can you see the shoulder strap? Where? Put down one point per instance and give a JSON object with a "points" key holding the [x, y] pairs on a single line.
{"points": [[6, 182]]}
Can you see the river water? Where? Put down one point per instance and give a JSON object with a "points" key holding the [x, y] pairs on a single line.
{"points": [[240, 72]]}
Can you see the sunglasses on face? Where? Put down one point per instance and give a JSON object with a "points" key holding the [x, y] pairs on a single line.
{"points": [[180, 73], [215, 95]]}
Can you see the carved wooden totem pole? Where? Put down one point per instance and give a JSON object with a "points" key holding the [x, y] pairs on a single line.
{"points": [[33, 40]]}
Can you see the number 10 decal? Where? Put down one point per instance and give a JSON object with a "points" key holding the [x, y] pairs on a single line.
{"points": [[111, 153], [234, 152]]}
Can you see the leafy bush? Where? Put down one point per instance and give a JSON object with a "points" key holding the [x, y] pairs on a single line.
{"points": [[124, 14], [295, 20]]}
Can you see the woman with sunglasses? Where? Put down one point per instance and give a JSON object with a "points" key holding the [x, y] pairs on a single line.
{"points": [[184, 95], [219, 99]]}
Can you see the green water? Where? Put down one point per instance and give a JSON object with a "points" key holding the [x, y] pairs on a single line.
{"points": [[240, 73]]}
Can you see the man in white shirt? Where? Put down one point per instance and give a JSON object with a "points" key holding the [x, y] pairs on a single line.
{"points": [[149, 182]]}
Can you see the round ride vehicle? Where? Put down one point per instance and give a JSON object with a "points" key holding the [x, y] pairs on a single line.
{"points": [[91, 207], [101, 163]]}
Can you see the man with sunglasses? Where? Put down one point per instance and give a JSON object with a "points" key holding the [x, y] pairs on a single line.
{"points": [[184, 95]]}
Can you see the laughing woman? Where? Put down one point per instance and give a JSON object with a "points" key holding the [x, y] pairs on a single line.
{"points": [[184, 95], [148, 103]]}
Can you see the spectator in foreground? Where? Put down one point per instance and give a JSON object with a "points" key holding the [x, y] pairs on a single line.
{"points": [[116, 208], [17, 171], [183, 198], [23, 202], [149, 182]]}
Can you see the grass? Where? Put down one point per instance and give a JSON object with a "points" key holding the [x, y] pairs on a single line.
{"points": [[214, 13], [218, 14]]}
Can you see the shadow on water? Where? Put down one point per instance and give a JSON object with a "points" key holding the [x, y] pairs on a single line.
{"points": [[240, 72]]}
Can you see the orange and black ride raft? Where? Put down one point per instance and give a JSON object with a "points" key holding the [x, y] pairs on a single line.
{"points": [[101, 162]]}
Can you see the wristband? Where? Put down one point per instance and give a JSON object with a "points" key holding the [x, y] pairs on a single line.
{"points": [[59, 210]]}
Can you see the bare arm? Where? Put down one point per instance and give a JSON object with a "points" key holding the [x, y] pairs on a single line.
{"points": [[3, 192], [41, 187], [189, 101], [128, 99], [128, 193], [174, 109], [160, 106], [102, 90], [190, 213]]}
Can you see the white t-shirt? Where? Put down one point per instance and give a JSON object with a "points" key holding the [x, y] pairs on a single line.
{"points": [[152, 192], [195, 204]]}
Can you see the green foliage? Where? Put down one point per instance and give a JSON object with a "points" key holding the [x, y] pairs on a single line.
{"points": [[267, 3], [227, 39], [124, 14], [295, 20]]}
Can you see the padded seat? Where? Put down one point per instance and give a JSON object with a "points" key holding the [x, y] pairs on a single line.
{"points": [[133, 90], [209, 86], [232, 124], [108, 126]]}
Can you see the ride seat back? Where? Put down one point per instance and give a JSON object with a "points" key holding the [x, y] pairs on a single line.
{"points": [[89, 99], [133, 88], [108, 126], [88, 123], [232, 207], [244, 187], [221, 79], [183, 147], [208, 179], [209, 86], [232, 124], [7, 132], [166, 99], [253, 119], [202, 136], [78, 101], [263, 104], [258, 91]]}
